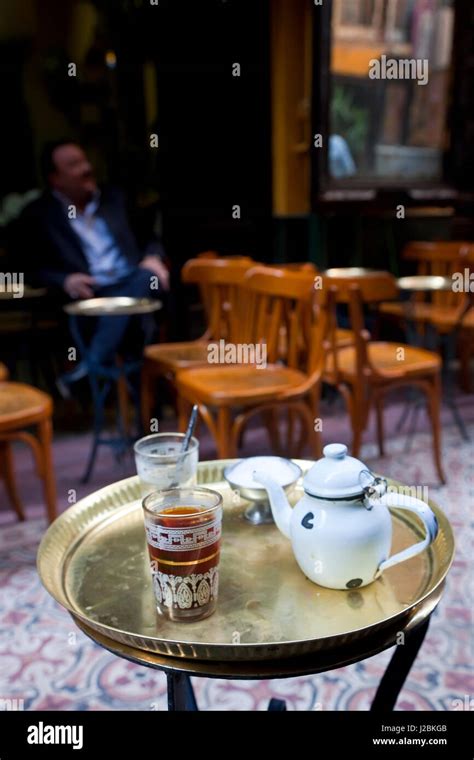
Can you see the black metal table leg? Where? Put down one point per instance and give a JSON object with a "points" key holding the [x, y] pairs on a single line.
{"points": [[99, 398], [277, 705], [180, 692], [398, 669], [450, 342]]}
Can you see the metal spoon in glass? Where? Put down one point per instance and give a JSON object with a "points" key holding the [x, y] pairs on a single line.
{"points": [[184, 447]]}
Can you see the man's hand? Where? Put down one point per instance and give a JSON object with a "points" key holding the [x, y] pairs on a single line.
{"points": [[79, 285], [155, 265]]}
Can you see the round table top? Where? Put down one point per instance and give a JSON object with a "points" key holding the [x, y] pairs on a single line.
{"points": [[422, 283], [350, 272], [112, 306], [125, 622]]}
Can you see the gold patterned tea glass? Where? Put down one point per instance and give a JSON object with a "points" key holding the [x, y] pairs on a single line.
{"points": [[183, 530]]}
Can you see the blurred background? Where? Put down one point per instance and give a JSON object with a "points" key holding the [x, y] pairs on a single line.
{"points": [[239, 127], [249, 139]]}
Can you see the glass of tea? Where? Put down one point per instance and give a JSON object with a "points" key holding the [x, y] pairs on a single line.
{"points": [[161, 464], [183, 530]]}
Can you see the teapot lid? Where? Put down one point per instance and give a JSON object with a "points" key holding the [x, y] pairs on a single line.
{"points": [[337, 475]]}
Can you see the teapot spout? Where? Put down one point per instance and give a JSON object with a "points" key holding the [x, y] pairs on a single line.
{"points": [[281, 509]]}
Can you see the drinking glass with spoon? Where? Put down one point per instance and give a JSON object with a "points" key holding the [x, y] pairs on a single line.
{"points": [[168, 460]]}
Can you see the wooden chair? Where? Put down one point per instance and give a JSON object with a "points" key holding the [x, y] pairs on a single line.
{"points": [[466, 330], [206, 289], [446, 311], [217, 279], [365, 372], [466, 350], [21, 407], [295, 266], [442, 307], [344, 337], [274, 298]]}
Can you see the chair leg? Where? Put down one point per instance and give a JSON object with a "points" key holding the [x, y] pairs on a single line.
{"points": [[356, 414], [464, 357], [290, 429], [225, 444], [356, 436], [270, 417], [184, 408], [123, 406], [310, 432], [433, 391], [45, 434], [311, 416], [347, 393], [6, 465], [146, 398], [312, 404], [378, 402]]}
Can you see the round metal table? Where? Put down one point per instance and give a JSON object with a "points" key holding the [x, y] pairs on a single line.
{"points": [[433, 284], [289, 626], [179, 671], [103, 377]]}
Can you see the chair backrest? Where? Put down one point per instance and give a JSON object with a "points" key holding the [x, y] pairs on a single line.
{"points": [[298, 266], [218, 280], [441, 258], [231, 257], [282, 303], [369, 288], [374, 287]]}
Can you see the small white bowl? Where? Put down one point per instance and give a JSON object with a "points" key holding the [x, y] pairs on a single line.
{"points": [[260, 512]]}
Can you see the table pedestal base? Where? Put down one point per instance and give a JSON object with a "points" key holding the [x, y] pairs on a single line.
{"points": [[181, 694]]}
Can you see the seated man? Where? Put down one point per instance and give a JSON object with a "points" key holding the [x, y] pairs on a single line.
{"points": [[78, 239]]}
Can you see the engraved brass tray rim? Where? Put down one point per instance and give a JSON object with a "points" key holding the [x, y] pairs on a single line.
{"points": [[59, 592], [290, 667], [111, 306]]}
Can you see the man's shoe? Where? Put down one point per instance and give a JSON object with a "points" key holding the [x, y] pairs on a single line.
{"points": [[63, 382]]}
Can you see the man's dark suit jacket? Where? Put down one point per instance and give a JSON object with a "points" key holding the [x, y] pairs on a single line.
{"points": [[48, 247]]}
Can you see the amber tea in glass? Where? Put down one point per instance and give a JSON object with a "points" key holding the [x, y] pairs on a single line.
{"points": [[183, 530]]}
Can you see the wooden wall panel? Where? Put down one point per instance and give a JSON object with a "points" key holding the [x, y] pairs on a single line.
{"points": [[291, 64]]}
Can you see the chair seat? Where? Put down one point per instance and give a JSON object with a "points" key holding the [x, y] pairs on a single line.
{"points": [[416, 310], [449, 319], [22, 405], [385, 359], [237, 384], [171, 357], [344, 337], [444, 318]]}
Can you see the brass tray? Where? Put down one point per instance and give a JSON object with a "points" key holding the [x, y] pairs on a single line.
{"points": [[291, 667], [112, 306], [93, 561]]}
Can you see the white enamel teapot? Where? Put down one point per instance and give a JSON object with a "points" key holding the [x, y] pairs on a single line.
{"points": [[341, 529]]}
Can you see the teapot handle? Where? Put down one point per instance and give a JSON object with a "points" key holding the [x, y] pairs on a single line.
{"points": [[392, 499]]}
